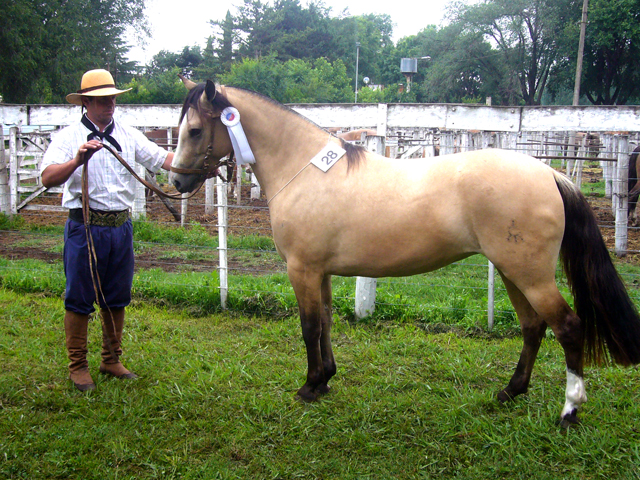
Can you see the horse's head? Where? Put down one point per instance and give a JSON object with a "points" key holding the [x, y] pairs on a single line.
{"points": [[202, 138]]}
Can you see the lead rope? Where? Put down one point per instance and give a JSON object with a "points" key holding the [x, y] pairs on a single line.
{"points": [[93, 262], [93, 258]]}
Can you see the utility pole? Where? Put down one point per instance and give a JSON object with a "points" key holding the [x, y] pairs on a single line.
{"points": [[583, 28], [357, 61]]}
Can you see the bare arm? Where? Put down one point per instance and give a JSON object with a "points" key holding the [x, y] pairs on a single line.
{"points": [[58, 173], [167, 162]]}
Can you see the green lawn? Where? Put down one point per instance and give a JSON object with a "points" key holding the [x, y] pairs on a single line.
{"points": [[216, 400]]}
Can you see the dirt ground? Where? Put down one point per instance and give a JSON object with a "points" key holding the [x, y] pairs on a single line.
{"points": [[250, 217]]}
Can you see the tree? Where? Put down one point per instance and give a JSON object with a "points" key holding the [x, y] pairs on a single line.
{"points": [[163, 61], [162, 88], [211, 65], [294, 81], [47, 46], [527, 34], [225, 52], [612, 52]]}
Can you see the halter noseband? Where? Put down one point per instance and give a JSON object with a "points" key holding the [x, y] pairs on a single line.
{"points": [[206, 166]]}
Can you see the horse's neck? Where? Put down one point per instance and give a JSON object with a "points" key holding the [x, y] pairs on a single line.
{"points": [[282, 142]]}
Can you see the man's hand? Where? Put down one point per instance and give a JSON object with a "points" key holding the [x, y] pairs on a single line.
{"points": [[86, 151], [58, 173]]}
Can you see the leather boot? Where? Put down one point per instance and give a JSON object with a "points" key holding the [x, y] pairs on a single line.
{"points": [[112, 326], [75, 328]]}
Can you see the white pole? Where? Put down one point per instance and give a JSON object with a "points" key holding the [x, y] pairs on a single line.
{"points": [[222, 241], [357, 60], [209, 195], [4, 178], [491, 296], [365, 297], [13, 170], [139, 208], [623, 197], [184, 204], [255, 187]]}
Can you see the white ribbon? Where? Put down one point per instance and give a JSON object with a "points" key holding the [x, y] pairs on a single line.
{"points": [[231, 118]]}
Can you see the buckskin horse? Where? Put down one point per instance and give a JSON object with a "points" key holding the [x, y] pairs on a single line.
{"points": [[377, 217]]}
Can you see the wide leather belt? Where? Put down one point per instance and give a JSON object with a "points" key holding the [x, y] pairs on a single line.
{"points": [[100, 218]]}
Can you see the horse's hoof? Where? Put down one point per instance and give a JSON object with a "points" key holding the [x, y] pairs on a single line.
{"points": [[323, 389], [504, 397], [569, 420], [307, 395]]}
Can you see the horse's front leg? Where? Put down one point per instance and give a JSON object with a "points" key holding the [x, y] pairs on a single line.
{"points": [[308, 287], [328, 361]]}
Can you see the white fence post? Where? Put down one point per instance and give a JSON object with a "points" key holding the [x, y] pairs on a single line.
{"points": [[184, 206], [222, 241], [365, 297], [255, 187], [491, 295], [13, 169], [209, 195], [622, 174], [139, 209], [4, 179]]}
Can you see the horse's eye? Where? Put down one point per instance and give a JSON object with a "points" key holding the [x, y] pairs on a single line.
{"points": [[195, 132]]}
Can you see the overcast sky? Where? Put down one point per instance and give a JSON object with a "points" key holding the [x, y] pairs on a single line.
{"points": [[175, 25]]}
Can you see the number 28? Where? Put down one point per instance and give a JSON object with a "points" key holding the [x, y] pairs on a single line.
{"points": [[329, 157]]}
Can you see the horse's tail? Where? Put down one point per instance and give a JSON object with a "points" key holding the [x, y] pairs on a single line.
{"points": [[601, 299]]}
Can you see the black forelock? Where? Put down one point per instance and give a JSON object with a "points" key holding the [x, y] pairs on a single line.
{"points": [[193, 97]]}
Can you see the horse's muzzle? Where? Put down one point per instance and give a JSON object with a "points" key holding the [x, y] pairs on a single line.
{"points": [[185, 183]]}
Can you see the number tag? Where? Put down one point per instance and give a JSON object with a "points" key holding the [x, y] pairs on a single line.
{"points": [[328, 156]]}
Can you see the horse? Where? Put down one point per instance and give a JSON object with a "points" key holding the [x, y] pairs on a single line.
{"points": [[372, 216], [634, 186]]}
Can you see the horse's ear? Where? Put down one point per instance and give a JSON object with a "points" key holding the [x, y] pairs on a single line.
{"points": [[206, 99], [210, 90], [187, 83]]}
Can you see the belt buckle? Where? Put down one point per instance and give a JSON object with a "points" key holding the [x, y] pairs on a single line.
{"points": [[108, 219]]}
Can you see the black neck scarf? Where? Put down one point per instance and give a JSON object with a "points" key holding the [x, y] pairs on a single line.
{"points": [[106, 135]]}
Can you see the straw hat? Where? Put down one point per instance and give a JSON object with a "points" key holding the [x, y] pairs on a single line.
{"points": [[95, 83]]}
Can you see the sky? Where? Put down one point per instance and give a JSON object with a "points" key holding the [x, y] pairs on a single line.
{"points": [[174, 27]]}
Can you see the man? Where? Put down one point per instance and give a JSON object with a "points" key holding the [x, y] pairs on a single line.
{"points": [[111, 194]]}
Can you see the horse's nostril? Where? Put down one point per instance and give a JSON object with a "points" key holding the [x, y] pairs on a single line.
{"points": [[176, 183]]}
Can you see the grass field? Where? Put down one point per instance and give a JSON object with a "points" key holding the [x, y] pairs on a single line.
{"points": [[414, 396], [216, 400]]}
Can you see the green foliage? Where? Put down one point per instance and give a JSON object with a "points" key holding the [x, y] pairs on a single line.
{"points": [[612, 48], [162, 88], [516, 52], [294, 81], [46, 47], [527, 34], [13, 222]]}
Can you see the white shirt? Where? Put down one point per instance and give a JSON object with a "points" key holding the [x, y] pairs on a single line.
{"points": [[111, 186]]}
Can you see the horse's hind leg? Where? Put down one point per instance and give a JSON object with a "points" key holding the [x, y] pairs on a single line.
{"points": [[533, 330], [569, 330]]}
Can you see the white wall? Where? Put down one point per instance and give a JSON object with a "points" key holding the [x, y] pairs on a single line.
{"points": [[441, 116]]}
